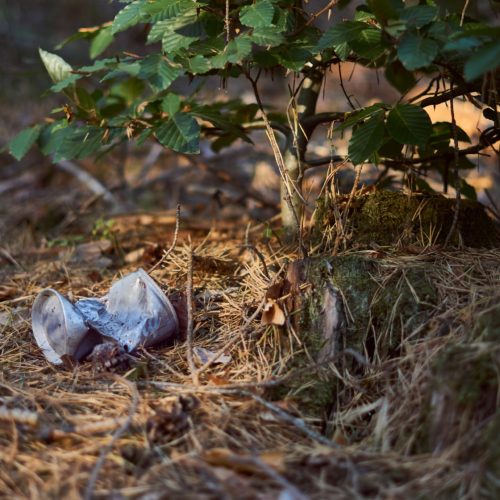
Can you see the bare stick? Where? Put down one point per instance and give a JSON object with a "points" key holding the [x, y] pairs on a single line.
{"points": [[462, 17], [88, 180], [346, 95], [118, 433], [457, 164], [285, 417], [189, 298], [287, 182], [260, 257], [174, 242]]}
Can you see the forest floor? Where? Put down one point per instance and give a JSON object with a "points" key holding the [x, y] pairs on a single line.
{"points": [[415, 414]]}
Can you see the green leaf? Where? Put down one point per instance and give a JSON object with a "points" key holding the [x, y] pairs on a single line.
{"points": [[442, 133], [166, 9], [369, 44], [357, 116], [79, 35], [84, 99], [418, 15], [182, 32], [363, 14], [68, 142], [219, 120], [340, 33], [101, 42], [462, 45], [367, 138], [409, 124], [197, 65], [342, 50], [157, 71], [485, 59], [128, 16], [98, 65], [467, 190], [57, 68], [158, 30], [132, 68], [390, 148], [415, 51], [385, 9], [23, 141], [267, 37], [258, 15], [129, 89], [294, 57], [171, 104], [234, 52], [395, 28], [67, 82], [423, 186], [442, 30], [400, 78], [180, 133]]}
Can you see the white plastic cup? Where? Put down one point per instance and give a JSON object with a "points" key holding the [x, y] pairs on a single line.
{"points": [[59, 328]]}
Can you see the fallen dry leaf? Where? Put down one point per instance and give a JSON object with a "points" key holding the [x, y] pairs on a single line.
{"points": [[222, 457], [272, 314], [8, 292]]}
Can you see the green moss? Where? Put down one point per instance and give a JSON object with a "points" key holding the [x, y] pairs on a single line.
{"points": [[380, 316], [387, 218]]}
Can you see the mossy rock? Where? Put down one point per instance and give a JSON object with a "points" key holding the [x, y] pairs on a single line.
{"points": [[389, 218], [384, 306]]}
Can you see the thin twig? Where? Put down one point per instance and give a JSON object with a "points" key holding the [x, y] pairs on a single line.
{"points": [[174, 242], [346, 95], [189, 341], [457, 178], [88, 180], [277, 154], [118, 433], [259, 255], [462, 17], [285, 417]]}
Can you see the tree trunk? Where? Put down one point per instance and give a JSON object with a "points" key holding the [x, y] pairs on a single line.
{"points": [[296, 145]]}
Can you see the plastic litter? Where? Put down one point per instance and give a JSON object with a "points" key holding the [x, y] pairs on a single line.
{"points": [[134, 313]]}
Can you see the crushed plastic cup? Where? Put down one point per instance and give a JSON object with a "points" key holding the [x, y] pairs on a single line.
{"points": [[134, 313], [59, 328]]}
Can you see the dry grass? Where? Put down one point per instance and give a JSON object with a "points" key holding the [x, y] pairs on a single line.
{"points": [[419, 421]]}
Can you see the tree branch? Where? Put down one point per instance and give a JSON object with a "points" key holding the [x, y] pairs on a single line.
{"points": [[477, 148], [324, 160], [260, 124], [447, 95]]}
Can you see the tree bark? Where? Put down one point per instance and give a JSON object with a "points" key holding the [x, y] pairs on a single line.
{"points": [[296, 145]]}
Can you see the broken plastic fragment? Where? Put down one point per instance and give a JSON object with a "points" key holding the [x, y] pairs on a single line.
{"points": [[204, 356]]}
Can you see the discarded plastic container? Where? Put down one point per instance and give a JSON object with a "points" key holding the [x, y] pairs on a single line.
{"points": [[59, 328], [135, 312]]}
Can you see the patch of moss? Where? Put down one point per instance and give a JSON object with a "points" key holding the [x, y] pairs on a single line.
{"points": [[379, 318], [386, 218]]}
